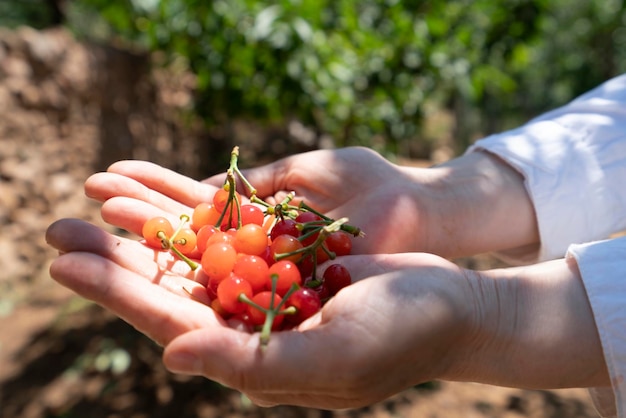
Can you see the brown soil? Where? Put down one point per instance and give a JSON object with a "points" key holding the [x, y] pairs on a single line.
{"points": [[62, 117]]}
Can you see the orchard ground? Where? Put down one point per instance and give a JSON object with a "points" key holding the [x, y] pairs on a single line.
{"points": [[61, 356]]}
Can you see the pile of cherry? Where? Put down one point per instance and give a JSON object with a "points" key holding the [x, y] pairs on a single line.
{"points": [[261, 260]]}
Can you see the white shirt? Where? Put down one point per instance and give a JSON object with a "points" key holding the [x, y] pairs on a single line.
{"points": [[573, 160]]}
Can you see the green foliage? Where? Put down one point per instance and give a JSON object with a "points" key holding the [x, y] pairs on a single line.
{"points": [[35, 13], [364, 72]]}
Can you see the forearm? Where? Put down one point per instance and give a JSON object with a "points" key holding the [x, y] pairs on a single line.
{"points": [[478, 204], [536, 329]]}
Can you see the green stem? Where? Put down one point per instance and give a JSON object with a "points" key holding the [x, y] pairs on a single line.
{"points": [[168, 243], [270, 314], [288, 311], [307, 208], [245, 299], [255, 199], [246, 183], [192, 264], [266, 331]]}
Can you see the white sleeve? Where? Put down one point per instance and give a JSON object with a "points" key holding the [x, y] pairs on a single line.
{"points": [[573, 160], [602, 267]]}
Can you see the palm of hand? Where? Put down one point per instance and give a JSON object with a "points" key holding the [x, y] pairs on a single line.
{"points": [[149, 289]]}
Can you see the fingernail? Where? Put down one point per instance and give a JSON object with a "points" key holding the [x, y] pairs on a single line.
{"points": [[184, 363]]}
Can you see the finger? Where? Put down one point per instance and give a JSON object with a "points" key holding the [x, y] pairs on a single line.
{"points": [[365, 266], [294, 368], [69, 235], [104, 186], [131, 214], [153, 310], [180, 188], [234, 358], [267, 180]]}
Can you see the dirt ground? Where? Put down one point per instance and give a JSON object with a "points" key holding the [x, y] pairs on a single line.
{"points": [[61, 356]]}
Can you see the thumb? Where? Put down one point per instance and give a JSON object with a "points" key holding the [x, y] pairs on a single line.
{"points": [[267, 179], [235, 359]]}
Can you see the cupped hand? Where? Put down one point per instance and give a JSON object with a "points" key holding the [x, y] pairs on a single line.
{"points": [[400, 325], [376, 195], [355, 182], [408, 318], [396, 327]]}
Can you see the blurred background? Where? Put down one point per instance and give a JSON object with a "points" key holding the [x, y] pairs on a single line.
{"points": [[85, 83]]}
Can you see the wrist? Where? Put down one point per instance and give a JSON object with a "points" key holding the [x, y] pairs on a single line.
{"points": [[532, 327], [478, 203]]}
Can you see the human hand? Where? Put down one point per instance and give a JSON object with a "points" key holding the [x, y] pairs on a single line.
{"points": [[472, 204], [355, 182], [408, 318], [373, 339], [376, 195]]}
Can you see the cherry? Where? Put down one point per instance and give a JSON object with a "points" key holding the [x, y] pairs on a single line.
{"points": [[287, 274], [220, 199], [339, 243], [218, 260], [285, 244], [185, 241], [203, 235], [336, 277], [318, 287], [285, 226], [306, 301], [155, 230], [250, 239], [204, 214], [229, 293], [254, 269], [264, 300], [251, 214], [220, 237], [306, 217]]}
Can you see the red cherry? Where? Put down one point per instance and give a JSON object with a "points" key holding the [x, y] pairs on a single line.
{"points": [[284, 244], [286, 226], [339, 243], [305, 217], [288, 274], [336, 277], [264, 299], [306, 301], [228, 292], [251, 214], [320, 289]]}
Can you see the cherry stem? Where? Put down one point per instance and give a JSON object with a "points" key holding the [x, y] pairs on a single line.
{"points": [[307, 208], [273, 311], [168, 243], [353, 230], [192, 264], [324, 232], [281, 208], [234, 167], [270, 314], [245, 299]]}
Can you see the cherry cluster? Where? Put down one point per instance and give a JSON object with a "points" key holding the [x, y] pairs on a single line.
{"points": [[261, 260]]}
